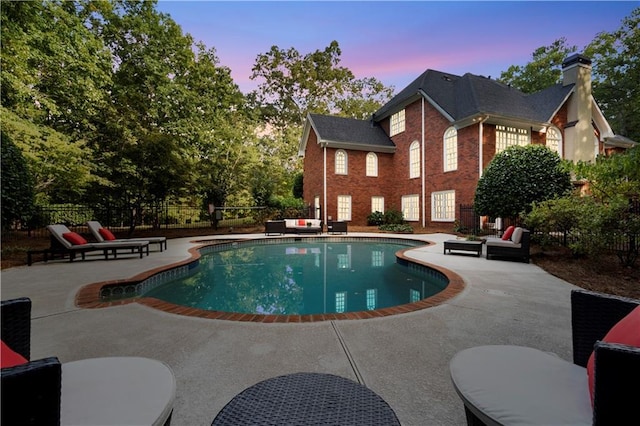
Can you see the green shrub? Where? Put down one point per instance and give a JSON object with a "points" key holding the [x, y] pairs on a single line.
{"points": [[375, 219], [392, 217], [403, 228]]}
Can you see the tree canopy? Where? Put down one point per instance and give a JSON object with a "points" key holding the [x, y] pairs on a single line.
{"points": [[518, 177]]}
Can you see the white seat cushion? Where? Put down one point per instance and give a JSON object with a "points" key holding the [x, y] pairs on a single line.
{"points": [[116, 391], [515, 385]]}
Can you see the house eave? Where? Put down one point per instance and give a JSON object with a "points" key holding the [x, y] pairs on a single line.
{"points": [[357, 146]]}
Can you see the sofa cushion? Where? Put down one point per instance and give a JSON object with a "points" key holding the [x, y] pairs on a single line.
{"points": [[74, 238], [9, 357], [501, 243], [517, 235], [106, 234], [626, 332], [520, 385], [302, 222], [507, 234]]}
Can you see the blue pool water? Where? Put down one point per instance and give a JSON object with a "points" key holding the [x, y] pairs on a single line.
{"points": [[298, 278]]}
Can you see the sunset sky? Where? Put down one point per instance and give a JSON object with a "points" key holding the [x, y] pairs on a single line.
{"points": [[395, 41]]}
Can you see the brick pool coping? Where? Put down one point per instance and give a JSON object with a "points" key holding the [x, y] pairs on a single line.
{"points": [[88, 297]]}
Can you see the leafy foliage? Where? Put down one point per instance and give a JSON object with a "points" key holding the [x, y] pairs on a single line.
{"points": [[375, 218], [17, 189], [517, 177]]}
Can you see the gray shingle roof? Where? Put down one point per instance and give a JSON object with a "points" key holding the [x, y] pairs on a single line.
{"points": [[469, 95], [349, 131]]}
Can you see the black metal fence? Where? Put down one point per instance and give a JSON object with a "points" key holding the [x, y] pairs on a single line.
{"points": [[157, 217]]}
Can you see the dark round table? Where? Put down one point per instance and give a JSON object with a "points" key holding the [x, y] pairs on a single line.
{"points": [[307, 399]]}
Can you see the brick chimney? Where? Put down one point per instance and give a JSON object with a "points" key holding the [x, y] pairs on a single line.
{"points": [[580, 143]]}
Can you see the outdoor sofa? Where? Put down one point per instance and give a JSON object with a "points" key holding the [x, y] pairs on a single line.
{"points": [[513, 244], [93, 391], [502, 385], [102, 234], [293, 226]]}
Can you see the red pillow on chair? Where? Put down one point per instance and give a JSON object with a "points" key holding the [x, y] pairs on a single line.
{"points": [[626, 332], [302, 222], [106, 234], [507, 234], [74, 238], [9, 357]]}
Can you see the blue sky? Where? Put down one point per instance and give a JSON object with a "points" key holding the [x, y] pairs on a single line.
{"points": [[395, 41]]}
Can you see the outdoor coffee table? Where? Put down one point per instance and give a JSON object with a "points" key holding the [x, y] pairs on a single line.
{"points": [[307, 399], [463, 245]]}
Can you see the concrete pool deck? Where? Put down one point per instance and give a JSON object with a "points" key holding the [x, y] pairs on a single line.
{"points": [[403, 358]]}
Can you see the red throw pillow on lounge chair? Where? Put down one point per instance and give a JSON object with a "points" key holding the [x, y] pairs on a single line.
{"points": [[302, 222], [9, 357], [74, 238], [106, 234], [507, 234], [624, 332]]}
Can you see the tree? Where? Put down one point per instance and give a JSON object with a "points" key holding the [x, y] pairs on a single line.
{"points": [[616, 72], [543, 71], [17, 187], [614, 176], [519, 176]]}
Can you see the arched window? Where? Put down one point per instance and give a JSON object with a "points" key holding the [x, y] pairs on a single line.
{"points": [[450, 149], [341, 162], [372, 164], [414, 160], [554, 140]]}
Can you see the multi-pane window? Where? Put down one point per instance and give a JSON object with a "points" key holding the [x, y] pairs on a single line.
{"points": [[554, 140], [341, 162], [450, 149], [443, 206], [414, 160], [377, 204], [509, 136], [414, 295], [344, 207], [397, 123], [341, 301], [372, 298], [377, 259], [410, 207], [372, 164]]}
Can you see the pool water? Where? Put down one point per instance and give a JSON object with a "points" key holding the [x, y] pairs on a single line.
{"points": [[299, 278]]}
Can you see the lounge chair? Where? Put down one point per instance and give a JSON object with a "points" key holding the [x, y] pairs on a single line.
{"points": [[96, 391], [506, 384], [102, 234], [64, 241]]}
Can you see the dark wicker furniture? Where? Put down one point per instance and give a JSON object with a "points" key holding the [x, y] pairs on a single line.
{"points": [[275, 227], [520, 253], [617, 371], [307, 399], [462, 245], [336, 227]]}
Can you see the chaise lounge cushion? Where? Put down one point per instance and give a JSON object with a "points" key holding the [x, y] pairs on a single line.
{"points": [[74, 238], [626, 332]]}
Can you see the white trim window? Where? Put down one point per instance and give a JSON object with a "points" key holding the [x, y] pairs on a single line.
{"points": [[341, 162], [344, 207], [509, 136], [414, 160], [372, 164], [397, 123], [341, 301], [450, 149], [443, 206], [372, 298], [554, 140], [410, 207], [377, 204]]}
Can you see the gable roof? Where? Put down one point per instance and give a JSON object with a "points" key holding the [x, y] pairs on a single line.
{"points": [[348, 133], [461, 98]]}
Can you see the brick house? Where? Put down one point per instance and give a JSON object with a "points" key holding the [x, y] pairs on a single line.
{"points": [[423, 152]]}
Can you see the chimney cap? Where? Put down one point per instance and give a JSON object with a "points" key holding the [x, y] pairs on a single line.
{"points": [[576, 59]]}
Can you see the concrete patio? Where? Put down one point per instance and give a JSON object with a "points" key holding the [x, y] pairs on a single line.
{"points": [[403, 358]]}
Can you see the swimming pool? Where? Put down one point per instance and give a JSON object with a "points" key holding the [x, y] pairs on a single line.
{"points": [[299, 277]]}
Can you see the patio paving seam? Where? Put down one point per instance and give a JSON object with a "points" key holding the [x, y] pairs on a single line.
{"points": [[350, 358]]}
